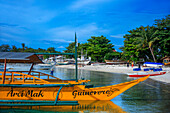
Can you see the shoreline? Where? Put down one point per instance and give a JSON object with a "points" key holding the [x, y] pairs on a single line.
{"points": [[119, 69]]}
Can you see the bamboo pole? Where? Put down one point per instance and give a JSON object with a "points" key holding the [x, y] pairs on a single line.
{"points": [[31, 68], [12, 77], [76, 68], [3, 78]]}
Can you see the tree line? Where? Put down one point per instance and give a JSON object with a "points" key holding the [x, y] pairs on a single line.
{"points": [[7, 48], [149, 43], [98, 48]]}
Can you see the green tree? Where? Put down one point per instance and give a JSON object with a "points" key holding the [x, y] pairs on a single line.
{"points": [[163, 45], [146, 38], [112, 55], [129, 49], [97, 47], [5, 48], [51, 50], [30, 50], [41, 50], [71, 49], [14, 49], [23, 47], [150, 42]]}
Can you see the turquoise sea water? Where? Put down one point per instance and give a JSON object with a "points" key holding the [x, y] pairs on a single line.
{"points": [[147, 97]]}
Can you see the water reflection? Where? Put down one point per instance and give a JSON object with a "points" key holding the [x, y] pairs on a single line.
{"points": [[84, 106], [97, 78]]}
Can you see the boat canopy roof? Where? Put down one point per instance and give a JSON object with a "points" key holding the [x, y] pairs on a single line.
{"points": [[154, 63], [19, 57]]}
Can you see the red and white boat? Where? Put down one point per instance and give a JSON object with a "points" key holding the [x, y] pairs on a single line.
{"points": [[142, 74]]}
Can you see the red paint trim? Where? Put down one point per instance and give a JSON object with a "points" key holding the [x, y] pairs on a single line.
{"points": [[161, 73]]}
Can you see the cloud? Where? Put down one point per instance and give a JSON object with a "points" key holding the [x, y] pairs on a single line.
{"points": [[4, 40], [12, 33], [6, 24], [117, 36], [82, 3], [83, 32], [61, 47], [55, 41], [118, 45], [12, 28], [7, 37], [24, 13]]}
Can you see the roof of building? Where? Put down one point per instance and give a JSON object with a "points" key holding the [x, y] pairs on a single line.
{"points": [[165, 57], [19, 57]]}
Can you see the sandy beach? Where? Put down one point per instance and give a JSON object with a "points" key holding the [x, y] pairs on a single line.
{"points": [[119, 69]]}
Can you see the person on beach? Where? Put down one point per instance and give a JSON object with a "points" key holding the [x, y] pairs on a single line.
{"points": [[128, 64], [52, 71], [132, 64], [139, 65]]}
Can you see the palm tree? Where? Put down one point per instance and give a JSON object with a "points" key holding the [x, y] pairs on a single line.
{"points": [[146, 36], [14, 48], [23, 47]]}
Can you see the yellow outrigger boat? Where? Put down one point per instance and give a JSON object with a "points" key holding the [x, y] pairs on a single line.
{"points": [[29, 87], [67, 92]]}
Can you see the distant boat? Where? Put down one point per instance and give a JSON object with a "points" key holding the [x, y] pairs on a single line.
{"points": [[60, 60], [63, 63], [111, 62], [2, 68], [17, 66], [153, 64], [43, 66], [83, 62], [142, 74]]}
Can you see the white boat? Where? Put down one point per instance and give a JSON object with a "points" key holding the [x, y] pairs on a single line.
{"points": [[63, 63], [60, 60], [111, 62], [17, 66], [83, 62], [43, 66]]}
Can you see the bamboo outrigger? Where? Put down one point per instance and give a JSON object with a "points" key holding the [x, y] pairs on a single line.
{"points": [[31, 88]]}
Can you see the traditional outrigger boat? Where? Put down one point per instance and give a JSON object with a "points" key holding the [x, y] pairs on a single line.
{"points": [[143, 74], [21, 87], [147, 71]]}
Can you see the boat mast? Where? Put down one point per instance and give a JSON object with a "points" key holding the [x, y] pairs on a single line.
{"points": [[76, 70]]}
